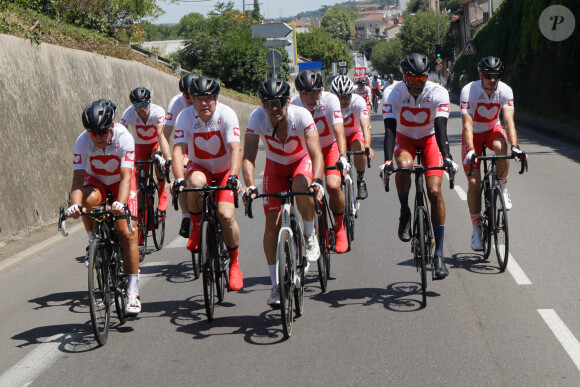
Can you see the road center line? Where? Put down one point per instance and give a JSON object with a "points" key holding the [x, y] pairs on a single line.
{"points": [[563, 334], [46, 354], [516, 271]]}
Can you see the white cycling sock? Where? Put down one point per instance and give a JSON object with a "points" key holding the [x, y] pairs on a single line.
{"points": [[273, 274], [309, 228], [133, 285], [185, 215]]}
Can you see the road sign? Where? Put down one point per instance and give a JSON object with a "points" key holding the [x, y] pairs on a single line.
{"points": [[271, 30], [439, 60], [310, 65], [277, 43], [273, 58], [439, 67], [342, 64], [469, 49]]}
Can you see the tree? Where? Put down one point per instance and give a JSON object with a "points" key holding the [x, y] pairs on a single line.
{"points": [[319, 45], [368, 46], [386, 56], [419, 32], [339, 22]]}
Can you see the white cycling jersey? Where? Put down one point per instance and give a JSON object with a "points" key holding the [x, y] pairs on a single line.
{"points": [[416, 117], [300, 122], [376, 84], [326, 115], [386, 93], [485, 110], [176, 106], [105, 164], [207, 142], [365, 93], [143, 132], [354, 112]]}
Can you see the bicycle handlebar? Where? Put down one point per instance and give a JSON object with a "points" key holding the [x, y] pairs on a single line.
{"points": [[418, 169], [494, 158], [156, 162], [95, 213], [205, 188], [366, 152], [281, 195]]}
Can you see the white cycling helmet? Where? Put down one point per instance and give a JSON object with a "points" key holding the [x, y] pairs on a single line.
{"points": [[341, 85]]}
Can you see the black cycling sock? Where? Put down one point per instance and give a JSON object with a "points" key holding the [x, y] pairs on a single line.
{"points": [[360, 175]]}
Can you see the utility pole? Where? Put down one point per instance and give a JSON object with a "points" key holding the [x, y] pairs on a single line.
{"points": [[437, 14]]}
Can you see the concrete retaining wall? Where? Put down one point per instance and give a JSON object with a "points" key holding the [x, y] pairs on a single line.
{"points": [[43, 91]]}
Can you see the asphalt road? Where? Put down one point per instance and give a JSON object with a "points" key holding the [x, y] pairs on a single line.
{"points": [[480, 327]]}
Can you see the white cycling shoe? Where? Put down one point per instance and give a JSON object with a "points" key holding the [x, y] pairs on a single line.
{"points": [[476, 243], [312, 249], [133, 305], [274, 298], [506, 199]]}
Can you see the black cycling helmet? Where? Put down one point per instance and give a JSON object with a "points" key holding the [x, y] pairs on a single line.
{"points": [[360, 81], [390, 76], [415, 65], [204, 86], [98, 117], [341, 85], [185, 81], [308, 80], [109, 103], [490, 64], [273, 89], [140, 94]]}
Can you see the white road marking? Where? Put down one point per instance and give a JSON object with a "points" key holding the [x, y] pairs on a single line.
{"points": [[460, 192], [46, 354], [177, 243], [517, 273], [563, 334]]}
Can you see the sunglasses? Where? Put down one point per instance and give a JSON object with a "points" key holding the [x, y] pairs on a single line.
{"points": [[492, 75], [141, 104], [100, 133], [278, 103], [345, 96], [422, 78]]}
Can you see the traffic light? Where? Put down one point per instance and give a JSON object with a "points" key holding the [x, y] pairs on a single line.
{"points": [[438, 53]]}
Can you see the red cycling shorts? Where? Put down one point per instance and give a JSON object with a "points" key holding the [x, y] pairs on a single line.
{"points": [[478, 139], [276, 180], [114, 189], [431, 156], [358, 136], [330, 154], [221, 179]]}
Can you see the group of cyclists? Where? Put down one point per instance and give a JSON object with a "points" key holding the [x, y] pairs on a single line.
{"points": [[301, 136]]}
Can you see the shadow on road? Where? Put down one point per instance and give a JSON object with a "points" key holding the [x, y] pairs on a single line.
{"points": [[474, 262]]}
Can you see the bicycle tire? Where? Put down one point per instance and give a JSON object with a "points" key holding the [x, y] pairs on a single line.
{"points": [[206, 251], [220, 257], [300, 266], [285, 282], [143, 229], [421, 252], [500, 232], [322, 231], [119, 283], [196, 263], [348, 214], [99, 293], [486, 221], [354, 195], [159, 221]]}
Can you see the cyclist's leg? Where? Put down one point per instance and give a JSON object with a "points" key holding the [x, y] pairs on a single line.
{"points": [[163, 203], [404, 156], [473, 187], [356, 143], [336, 197], [498, 139], [196, 177], [184, 229], [300, 182]]}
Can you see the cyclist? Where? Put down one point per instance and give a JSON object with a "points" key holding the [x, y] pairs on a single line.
{"points": [[364, 91], [481, 102], [390, 79], [103, 162], [357, 128], [376, 87], [325, 109], [416, 115], [176, 105], [145, 121], [211, 134], [292, 149]]}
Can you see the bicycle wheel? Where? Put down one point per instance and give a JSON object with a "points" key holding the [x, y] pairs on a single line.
{"points": [[221, 259], [486, 219], [348, 221], [285, 268], [322, 230], [420, 251], [196, 263], [99, 296], [119, 285], [158, 230], [206, 251], [143, 229], [500, 232], [300, 266]]}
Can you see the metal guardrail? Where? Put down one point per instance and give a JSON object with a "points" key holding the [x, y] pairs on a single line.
{"points": [[178, 69]]}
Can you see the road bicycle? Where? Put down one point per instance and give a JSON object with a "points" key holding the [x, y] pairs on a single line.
{"points": [[422, 240], [149, 218], [375, 101], [325, 225], [494, 220], [106, 276], [290, 256], [212, 256]]}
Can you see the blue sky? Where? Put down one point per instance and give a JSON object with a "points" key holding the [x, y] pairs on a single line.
{"points": [[269, 8]]}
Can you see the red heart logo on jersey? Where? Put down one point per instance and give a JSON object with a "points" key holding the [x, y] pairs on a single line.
{"points": [[146, 132], [105, 165], [209, 145], [291, 147], [415, 116], [322, 126], [486, 112], [77, 159]]}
